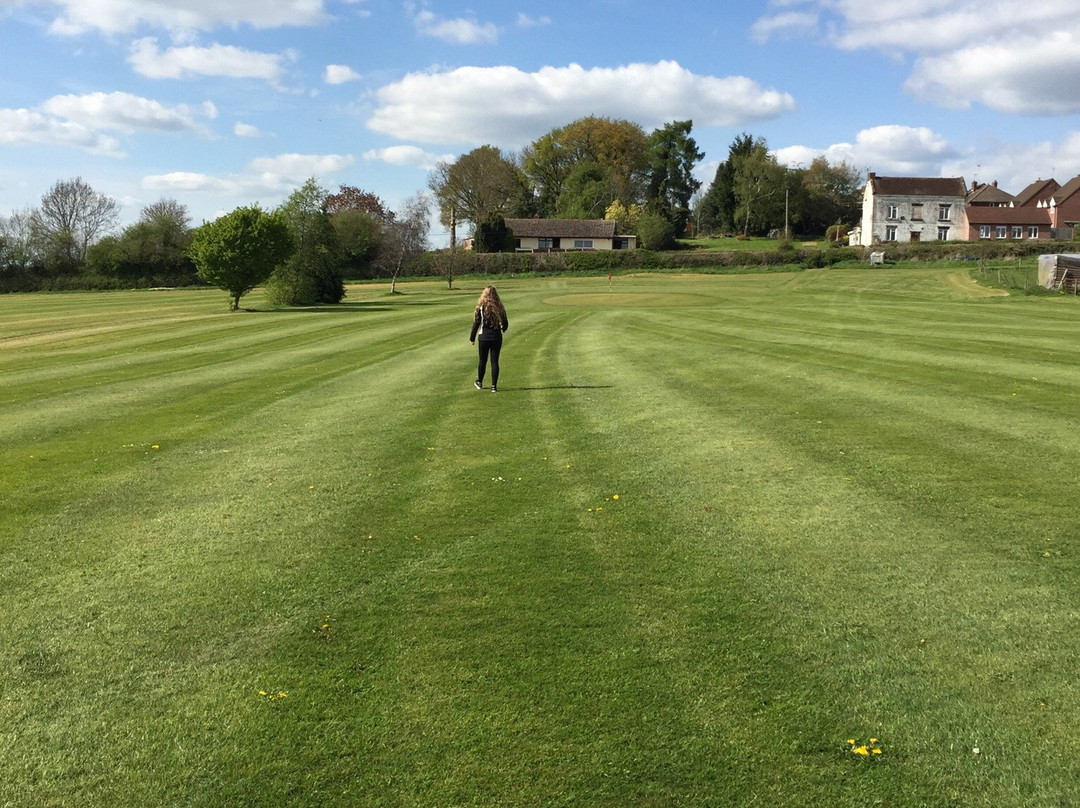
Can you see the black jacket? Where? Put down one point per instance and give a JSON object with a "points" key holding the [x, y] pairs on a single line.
{"points": [[487, 327]]}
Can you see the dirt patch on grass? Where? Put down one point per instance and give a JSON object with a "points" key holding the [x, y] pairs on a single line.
{"points": [[630, 300], [961, 281]]}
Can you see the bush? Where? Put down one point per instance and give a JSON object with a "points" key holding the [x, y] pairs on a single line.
{"points": [[655, 232]]}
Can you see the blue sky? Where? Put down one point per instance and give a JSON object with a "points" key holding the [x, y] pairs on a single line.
{"points": [[221, 103]]}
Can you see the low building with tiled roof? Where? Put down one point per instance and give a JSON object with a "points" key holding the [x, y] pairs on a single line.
{"points": [[537, 235], [901, 209], [1017, 224]]}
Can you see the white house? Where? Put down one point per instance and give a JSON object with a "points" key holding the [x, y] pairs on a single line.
{"points": [[903, 209], [535, 235]]}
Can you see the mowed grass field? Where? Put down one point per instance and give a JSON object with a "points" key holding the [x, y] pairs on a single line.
{"points": [[714, 538]]}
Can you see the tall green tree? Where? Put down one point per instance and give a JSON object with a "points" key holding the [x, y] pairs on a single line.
{"points": [[759, 189], [717, 206], [618, 146], [587, 192], [476, 185], [240, 250], [312, 273], [155, 247], [832, 195], [672, 156]]}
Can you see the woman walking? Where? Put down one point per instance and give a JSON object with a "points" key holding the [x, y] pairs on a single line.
{"points": [[489, 322]]}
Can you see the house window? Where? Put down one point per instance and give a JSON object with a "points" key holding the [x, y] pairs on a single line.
{"points": [[891, 212], [984, 231], [582, 244], [916, 211], [546, 243], [1017, 231], [916, 235], [890, 233], [943, 212], [1033, 231], [943, 234], [999, 231]]}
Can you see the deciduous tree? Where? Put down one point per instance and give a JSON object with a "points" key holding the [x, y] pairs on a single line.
{"points": [[72, 215], [478, 184], [405, 238], [240, 250]]}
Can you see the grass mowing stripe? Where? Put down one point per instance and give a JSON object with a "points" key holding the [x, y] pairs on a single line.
{"points": [[415, 563]]}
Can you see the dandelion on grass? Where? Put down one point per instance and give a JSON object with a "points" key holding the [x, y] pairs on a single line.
{"points": [[870, 749]]}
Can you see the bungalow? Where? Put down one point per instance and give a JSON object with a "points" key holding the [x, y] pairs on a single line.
{"points": [[542, 235], [912, 209]]}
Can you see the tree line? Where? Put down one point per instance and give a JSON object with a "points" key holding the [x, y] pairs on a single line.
{"points": [[596, 168], [591, 168], [303, 250]]}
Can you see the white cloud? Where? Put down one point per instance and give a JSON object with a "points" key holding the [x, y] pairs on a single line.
{"points": [[1004, 76], [81, 121], [25, 127], [275, 176], [287, 167], [123, 112], [1016, 59], [888, 150], [216, 60], [339, 74], [411, 156], [458, 31], [246, 130], [526, 21], [439, 107], [788, 24], [125, 16]]}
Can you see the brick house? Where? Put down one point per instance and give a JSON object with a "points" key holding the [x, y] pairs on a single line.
{"points": [[1063, 206], [901, 209], [543, 235], [984, 222]]}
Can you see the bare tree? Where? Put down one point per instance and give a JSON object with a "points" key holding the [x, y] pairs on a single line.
{"points": [[405, 237], [73, 215], [20, 243]]}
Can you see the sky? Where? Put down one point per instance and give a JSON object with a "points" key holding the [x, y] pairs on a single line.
{"points": [[224, 103]]}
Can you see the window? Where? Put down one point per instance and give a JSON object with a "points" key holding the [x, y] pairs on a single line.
{"points": [[891, 212], [916, 235], [546, 243], [890, 233], [916, 211], [943, 212], [1017, 231], [984, 231], [1000, 230], [943, 234], [583, 244], [1033, 231]]}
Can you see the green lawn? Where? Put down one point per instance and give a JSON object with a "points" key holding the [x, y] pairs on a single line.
{"points": [[711, 531]]}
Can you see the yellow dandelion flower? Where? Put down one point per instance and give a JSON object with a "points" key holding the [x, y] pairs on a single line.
{"points": [[615, 496], [873, 740], [875, 751], [861, 750], [851, 741], [262, 692], [155, 446], [282, 694]]}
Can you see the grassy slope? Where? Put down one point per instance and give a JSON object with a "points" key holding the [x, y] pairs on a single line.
{"points": [[843, 512]]}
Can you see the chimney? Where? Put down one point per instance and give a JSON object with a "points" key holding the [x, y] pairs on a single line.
{"points": [[870, 175], [994, 183]]}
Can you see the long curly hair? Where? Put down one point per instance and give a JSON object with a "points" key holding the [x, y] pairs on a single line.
{"points": [[491, 306]]}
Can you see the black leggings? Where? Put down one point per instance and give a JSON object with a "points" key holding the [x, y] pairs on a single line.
{"points": [[489, 347]]}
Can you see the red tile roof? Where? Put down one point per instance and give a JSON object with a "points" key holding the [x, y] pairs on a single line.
{"points": [[1040, 189], [988, 214]]}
